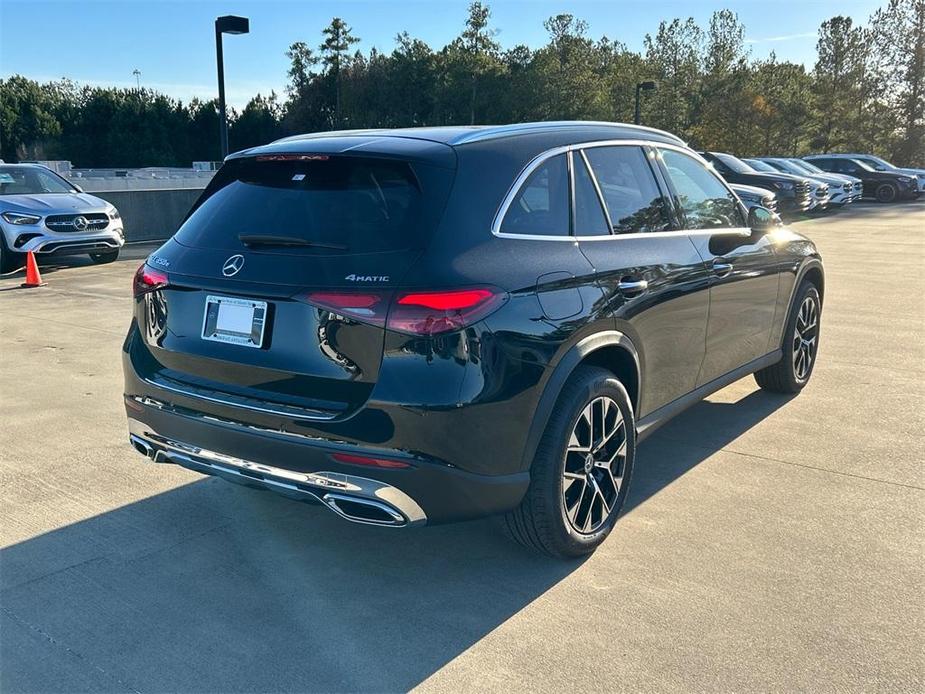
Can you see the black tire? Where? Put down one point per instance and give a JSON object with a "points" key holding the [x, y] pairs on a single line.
{"points": [[886, 192], [9, 261], [791, 374], [103, 258], [543, 521]]}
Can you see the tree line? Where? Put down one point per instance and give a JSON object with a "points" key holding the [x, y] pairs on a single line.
{"points": [[866, 91]]}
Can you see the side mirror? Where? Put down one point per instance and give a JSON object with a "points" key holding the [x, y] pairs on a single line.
{"points": [[79, 189], [762, 219]]}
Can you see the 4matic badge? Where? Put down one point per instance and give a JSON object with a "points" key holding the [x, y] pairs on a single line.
{"points": [[367, 278]]}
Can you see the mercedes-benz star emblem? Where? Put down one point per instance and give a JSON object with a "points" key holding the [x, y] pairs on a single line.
{"points": [[233, 265], [81, 223]]}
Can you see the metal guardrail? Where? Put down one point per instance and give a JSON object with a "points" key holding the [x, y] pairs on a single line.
{"points": [[151, 215]]}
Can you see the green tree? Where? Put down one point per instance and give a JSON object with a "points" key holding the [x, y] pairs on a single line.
{"points": [[258, 123], [837, 83], [674, 56], [27, 120], [334, 52], [898, 39]]}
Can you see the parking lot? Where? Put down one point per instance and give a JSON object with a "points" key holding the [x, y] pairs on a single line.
{"points": [[768, 543]]}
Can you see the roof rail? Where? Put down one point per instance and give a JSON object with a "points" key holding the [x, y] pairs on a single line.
{"points": [[491, 132]]}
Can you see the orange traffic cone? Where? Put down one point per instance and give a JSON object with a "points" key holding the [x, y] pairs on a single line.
{"points": [[33, 277]]}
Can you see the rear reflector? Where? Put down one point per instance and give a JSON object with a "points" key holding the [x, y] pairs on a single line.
{"points": [[416, 313], [147, 280], [370, 461]]}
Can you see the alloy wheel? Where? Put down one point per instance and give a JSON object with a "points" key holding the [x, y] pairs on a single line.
{"points": [[805, 338], [595, 462], [886, 193]]}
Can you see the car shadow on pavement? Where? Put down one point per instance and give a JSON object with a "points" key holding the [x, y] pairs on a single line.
{"points": [[213, 587]]}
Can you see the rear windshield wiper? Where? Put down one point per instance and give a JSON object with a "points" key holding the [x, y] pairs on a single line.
{"points": [[273, 240]]}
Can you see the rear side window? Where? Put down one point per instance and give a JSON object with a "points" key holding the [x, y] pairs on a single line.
{"points": [[589, 215], [541, 206], [630, 191], [367, 205], [705, 201]]}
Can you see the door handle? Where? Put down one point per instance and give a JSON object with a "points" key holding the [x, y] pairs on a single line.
{"points": [[721, 267], [630, 286]]}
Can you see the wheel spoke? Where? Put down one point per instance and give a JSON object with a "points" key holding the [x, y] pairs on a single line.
{"points": [[599, 493], [617, 426], [573, 515]]}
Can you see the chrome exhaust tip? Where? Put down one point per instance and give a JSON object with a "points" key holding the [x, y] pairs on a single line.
{"points": [[359, 510], [142, 446]]}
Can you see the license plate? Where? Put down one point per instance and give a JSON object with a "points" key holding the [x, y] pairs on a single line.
{"points": [[236, 321]]}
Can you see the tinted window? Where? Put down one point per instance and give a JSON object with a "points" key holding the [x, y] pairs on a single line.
{"points": [[703, 198], [767, 167], [824, 164], [589, 215], [732, 163], [630, 192], [26, 180], [541, 206], [366, 204]]}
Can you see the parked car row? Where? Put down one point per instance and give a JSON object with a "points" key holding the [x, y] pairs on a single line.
{"points": [[789, 185]]}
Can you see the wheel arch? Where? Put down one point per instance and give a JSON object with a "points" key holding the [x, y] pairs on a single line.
{"points": [[610, 350], [817, 277]]}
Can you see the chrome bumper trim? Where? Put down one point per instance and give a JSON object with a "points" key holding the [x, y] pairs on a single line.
{"points": [[395, 508]]}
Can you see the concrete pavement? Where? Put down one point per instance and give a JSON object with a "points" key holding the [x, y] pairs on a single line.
{"points": [[769, 543]]}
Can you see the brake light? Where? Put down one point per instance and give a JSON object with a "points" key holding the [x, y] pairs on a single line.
{"points": [[292, 157], [148, 280], [431, 313], [417, 313], [371, 461]]}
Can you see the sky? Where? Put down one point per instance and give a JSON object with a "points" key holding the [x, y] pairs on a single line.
{"points": [[171, 42]]}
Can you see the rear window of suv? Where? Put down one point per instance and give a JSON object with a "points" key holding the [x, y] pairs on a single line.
{"points": [[367, 205]]}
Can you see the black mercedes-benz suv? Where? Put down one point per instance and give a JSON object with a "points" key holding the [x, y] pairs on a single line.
{"points": [[793, 192], [435, 324], [884, 186]]}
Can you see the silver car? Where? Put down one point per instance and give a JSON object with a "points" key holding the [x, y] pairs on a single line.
{"points": [[42, 212], [840, 192]]}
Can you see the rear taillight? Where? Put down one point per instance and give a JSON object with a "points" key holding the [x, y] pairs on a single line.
{"points": [[431, 313], [365, 307], [416, 313], [147, 280]]}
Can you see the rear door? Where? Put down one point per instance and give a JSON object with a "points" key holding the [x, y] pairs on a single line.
{"points": [[744, 275], [265, 271], [654, 281]]}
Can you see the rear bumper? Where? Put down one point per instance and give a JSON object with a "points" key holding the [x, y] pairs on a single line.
{"points": [[302, 467]]}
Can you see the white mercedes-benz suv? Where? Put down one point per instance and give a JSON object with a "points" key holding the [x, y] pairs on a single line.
{"points": [[42, 212]]}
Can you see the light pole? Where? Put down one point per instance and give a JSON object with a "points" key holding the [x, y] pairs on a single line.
{"points": [[229, 24], [642, 86], [137, 74]]}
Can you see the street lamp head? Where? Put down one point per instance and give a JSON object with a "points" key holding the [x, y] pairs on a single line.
{"points": [[647, 86], [232, 24]]}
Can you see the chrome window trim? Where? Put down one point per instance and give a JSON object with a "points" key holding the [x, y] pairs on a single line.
{"points": [[539, 159]]}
